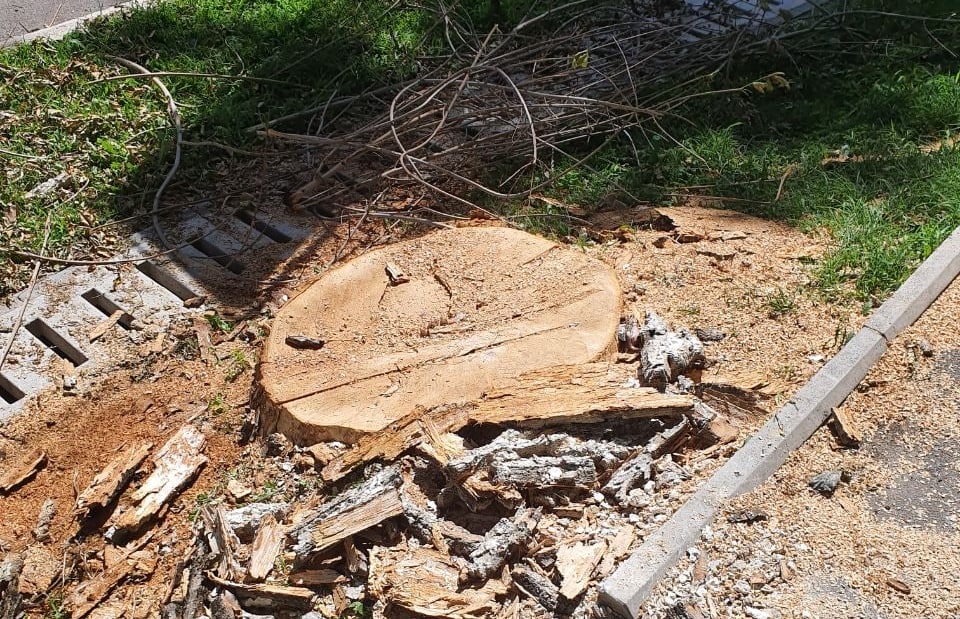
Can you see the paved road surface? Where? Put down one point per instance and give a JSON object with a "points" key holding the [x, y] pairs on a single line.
{"points": [[19, 17]]}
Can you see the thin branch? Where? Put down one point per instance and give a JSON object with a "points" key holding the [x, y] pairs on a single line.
{"points": [[175, 118], [33, 284]]}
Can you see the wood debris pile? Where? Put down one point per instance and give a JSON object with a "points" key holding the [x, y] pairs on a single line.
{"points": [[434, 517]]}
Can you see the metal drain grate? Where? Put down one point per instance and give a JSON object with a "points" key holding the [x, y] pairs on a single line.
{"points": [[67, 305]]}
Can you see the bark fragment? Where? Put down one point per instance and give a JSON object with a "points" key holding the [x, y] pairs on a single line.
{"points": [[175, 466], [110, 482]]}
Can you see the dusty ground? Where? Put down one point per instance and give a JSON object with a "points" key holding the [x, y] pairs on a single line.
{"points": [[744, 276], [886, 544]]}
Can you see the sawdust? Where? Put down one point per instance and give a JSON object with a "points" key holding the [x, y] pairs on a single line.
{"points": [[887, 543], [724, 280]]}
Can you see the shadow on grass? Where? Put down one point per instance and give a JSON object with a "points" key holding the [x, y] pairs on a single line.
{"points": [[860, 144], [112, 144]]}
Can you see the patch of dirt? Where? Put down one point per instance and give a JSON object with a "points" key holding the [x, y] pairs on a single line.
{"points": [[887, 542], [740, 275]]}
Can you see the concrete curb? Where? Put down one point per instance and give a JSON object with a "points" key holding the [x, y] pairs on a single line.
{"points": [[61, 30], [626, 589]]}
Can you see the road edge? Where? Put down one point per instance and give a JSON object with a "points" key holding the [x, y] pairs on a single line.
{"points": [[59, 31], [630, 585]]}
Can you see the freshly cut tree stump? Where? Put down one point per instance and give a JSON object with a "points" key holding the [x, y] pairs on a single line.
{"points": [[473, 309]]}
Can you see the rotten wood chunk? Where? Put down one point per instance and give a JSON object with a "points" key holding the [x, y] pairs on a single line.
{"points": [[41, 532], [395, 274], [631, 475], [426, 582], [245, 521], [578, 394], [16, 477], [545, 471], [352, 511], [665, 356], [266, 596], [132, 563], [499, 543], [575, 564], [425, 525], [10, 598], [419, 427], [302, 342], [175, 466], [98, 331], [844, 428], [537, 586], [110, 482], [222, 541], [312, 578], [266, 546]]}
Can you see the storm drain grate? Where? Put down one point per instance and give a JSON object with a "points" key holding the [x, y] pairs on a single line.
{"points": [[68, 305]]}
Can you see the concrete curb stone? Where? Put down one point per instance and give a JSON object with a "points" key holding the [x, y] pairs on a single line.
{"points": [[626, 589]]}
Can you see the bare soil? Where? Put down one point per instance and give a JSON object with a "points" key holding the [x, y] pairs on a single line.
{"points": [[741, 275]]}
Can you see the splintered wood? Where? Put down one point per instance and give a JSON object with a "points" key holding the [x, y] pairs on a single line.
{"points": [[175, 465], [426, 582], [19, 475], [110, 482]]}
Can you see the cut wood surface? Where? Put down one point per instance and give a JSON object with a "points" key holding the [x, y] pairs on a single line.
{"points": [[482, 306], [110, 482], [175, 465], [18, 475]]}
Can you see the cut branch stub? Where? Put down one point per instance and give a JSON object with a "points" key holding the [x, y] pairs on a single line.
{"points": [[480, 307]]}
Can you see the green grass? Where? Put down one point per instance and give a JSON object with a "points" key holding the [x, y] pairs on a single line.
{"points": [[848, 135], [844, 131], [112, 140]]}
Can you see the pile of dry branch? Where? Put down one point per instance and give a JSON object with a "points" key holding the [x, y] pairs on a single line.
{"points": [[581, 73]]}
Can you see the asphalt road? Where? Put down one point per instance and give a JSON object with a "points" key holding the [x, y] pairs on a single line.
{"points": [[19, 17]]}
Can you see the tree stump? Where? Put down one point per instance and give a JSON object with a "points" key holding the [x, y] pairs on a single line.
{"points": [[437, 320]]}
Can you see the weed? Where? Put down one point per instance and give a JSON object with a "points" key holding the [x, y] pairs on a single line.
{"points": [[358, 609], [780, 303], [266, 493], [204, 498], [219, 323], [55, 607], [218, 404], [238, 365]]}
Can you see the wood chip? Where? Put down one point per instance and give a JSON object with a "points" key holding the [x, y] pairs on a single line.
{"points": [[17, 476], [175, 466], [425, 582], [110, 482], [898, 585], [269, 596], [575, 565], [312, 578], [352, 511], [41, 532], [88, 594], [617, 547], [844, 428], [98, 331], [395, 274], [302, 342], [265, 548]]}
